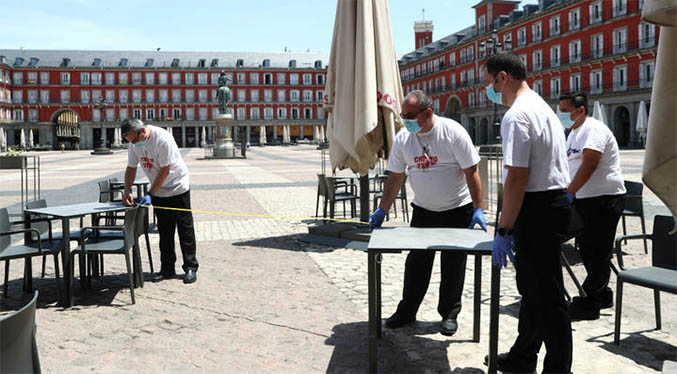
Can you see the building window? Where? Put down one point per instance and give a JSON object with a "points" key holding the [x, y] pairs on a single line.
{"points": [[294, 113], [96, 96], [596, 12], [646, 73], [596, 82], [136, 96], [554, 26], [163, 114], [471, 99], [190, 96], [620, 7], [150, 96], [537, 87], [254, 95], [575, 82], [294, 95], [137, 113], [189, 77], [319, 95], [241, 114], [307, 95], [521, 36], [33, 115], [241, 78], [150, 114], [267, 95], [254, 113], [164, 96], [537, 60], [620, 78], [176, 95], [96, 78], [253, 78], [124, 96], [18, 97], [44, 97], [281, 95], [215, 78], [44, 77], [122, 78], [124, 113], [65, 96], [320, 79], [281, 79], [597, 46], [150, 78], [32, 96], [620, 40], [555, 56], [202, 78], [267, 79], [18, 77], [110, 114], [162, 78], [307, 79], [18, 115], [575, 19], [176, 78], [281, 113], [452, 60], [307, 113], [136, 78], [241, 95], [110, 96], [268, 113], [293, 78], [32, 77], [190, 114], [523, 57], [536, 32], [65, 78], [555, 88], [482, 24], [202, 96], [575, 51], [110, 78], [647, 35]]}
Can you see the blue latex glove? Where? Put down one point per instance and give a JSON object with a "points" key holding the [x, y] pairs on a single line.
{"points": [[501, 248], [146, 200], [570, 197], [478, 219], [377, 218]]}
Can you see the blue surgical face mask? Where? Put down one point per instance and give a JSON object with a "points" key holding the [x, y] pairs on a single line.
{"points": [[565, 119], [140, 144], [412, 125], [493, 95]]}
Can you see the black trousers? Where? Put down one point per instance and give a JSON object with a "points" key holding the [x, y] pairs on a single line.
{"points": [[167, 222], [419, 265], [600, 218], [543, 318]]}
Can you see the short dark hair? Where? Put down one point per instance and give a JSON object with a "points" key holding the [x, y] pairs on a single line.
{"points": [[577, 99], [507, 62], [131, 124]]}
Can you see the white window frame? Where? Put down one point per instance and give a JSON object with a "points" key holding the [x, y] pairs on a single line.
{"points": [[268, 95], [44, 96], [307, 79], [149, 77], [176, 95], [537, 60], [281, 113], [110, 96], [84, 78], [555, 26], [620, 40], [597, 45], [150, 95], [124, 96], [555, 87], [189, 78], [254, 95], [575, 82], [536, 32], [596, 7], [646, 80], [620, 77], [122, 78], [254, 78], [150, 114], [294, 95], [163, 78], [575, 19], [254, 113], [202, 78], [268, 113], [281, 78], [136, 78], [555, 62], [293, 78], [190, 114], [65, 78], [190, 95], [620, 8], [575, 51], [596, 81], [96, 79], [202, 96], [241, 95], [110, 78], [281, 95], [65, 96], [647, 35], [241, 113], [44, 77], [537, 87]]}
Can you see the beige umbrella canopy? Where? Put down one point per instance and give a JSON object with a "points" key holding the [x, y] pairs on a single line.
{"points": [[660, 160], [22, 139], [363, 86], [262, 135]]}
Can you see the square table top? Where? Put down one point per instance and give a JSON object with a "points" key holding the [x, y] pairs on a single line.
{"points": [[135, 183], [397, 239], [77, 210]]}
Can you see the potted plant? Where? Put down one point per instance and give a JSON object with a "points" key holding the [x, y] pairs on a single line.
{"points": [[13, 159]]}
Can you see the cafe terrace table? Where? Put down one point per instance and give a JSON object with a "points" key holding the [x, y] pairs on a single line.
{"points": [[66, 213], [141, 187], [398, 239]]}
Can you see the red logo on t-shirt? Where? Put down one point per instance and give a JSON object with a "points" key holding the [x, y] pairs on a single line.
{"points": [[424, 162], [147, 163]]}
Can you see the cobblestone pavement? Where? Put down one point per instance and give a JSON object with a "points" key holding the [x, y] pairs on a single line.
{"points": [[266, 302]]}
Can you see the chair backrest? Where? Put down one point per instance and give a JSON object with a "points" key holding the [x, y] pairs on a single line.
{"points": [[104, 191], [18, 348], [664, 253], [131, 225], [322, 185], [330, 188], [633, 197], [42, 227], [5, 240], [141, 221]]}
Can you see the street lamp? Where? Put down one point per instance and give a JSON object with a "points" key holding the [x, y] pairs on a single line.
{"points": [[490, 48], [101, 149]]}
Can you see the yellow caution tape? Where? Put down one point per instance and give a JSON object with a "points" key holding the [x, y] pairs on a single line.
{"points": [[252, 215]]}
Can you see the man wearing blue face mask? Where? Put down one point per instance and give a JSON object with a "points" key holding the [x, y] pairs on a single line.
{"points": [[161, 161], [597, 183], [534, 216], [442, 164]]}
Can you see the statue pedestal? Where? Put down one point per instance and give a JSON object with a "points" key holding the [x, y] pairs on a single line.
{"points": [[223, 141]]}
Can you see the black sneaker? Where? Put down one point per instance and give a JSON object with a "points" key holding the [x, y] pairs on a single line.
{"points": [[583, 309], [448, 326], [505, 364], [397, 321], [158, 277]]}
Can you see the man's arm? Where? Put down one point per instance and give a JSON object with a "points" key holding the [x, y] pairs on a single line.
{"points": [[591, 159], [159, 180], [513, 195], [391, 189], [130, 175], [472, 177]]}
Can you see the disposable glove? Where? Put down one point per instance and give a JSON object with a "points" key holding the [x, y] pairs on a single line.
{"points": [[501, 248], [146, 200], [570, 198], [376, 218], [478, 218]]}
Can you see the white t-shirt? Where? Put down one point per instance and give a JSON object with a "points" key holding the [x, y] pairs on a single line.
{"points": [[534, 138], [161, 150], [607, 178], [438, 182]]}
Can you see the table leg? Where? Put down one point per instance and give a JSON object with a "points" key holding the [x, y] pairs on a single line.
{"points": [[372, 336], [28, 261], [477, 301], [493, 317], [65, 262], [379, 258]]}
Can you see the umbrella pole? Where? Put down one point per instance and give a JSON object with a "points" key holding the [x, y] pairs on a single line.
{"points": [[364, 198]]}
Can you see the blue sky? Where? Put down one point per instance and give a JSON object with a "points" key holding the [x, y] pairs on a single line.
{"points": [[207, 25]]}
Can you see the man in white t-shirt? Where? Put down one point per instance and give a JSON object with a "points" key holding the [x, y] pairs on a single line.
{"points": [[155, 149], [442, 164], [597, 183], [534, 216]]}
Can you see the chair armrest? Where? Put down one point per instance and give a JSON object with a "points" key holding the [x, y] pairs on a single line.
{"points": [[617, 246], [7, 233]]}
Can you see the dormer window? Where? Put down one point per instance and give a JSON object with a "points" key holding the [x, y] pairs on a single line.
{"points": [[149, 62], [239, 63], [175, 63], [292, 64], [266, 63], [215, 63], [18, 61], [202, 63], [65, 62], [318, 64], [33, 62], [122, 63], [96, 62]]}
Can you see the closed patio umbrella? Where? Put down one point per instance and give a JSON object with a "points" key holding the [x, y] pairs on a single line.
{"points": [[22, 139], [320, 133], [262, 135], [364, 89], [30, 138], [316, 136], [597, 112], [2, 139], [203, 137], [659, 172], [642, 121]]}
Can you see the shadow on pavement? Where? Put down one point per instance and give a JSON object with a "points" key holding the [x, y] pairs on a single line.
{"points": [[401, 351], [640, 349], [285, 243]]}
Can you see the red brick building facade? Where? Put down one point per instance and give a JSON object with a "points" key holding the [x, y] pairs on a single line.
{"points": [[599, 46], [66, 97]]}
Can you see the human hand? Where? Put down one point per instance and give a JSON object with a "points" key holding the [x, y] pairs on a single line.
{"points": [[570, 197], [376, 219], [146, 200], [478, 219], [128, 199], [501, 248]]}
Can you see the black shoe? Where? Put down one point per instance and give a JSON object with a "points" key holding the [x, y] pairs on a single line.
{"points": [[583, 309], [448, 326], [158, 277], [396, 321], [505, 364], [604, 299], [190, 276]]}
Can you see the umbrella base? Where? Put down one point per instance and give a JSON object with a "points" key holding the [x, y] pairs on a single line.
{"points": [[101, 151]]}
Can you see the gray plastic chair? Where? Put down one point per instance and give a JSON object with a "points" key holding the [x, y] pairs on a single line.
{"points": [[634, 206], [660, 276], [9, 252], [18, 347]]}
